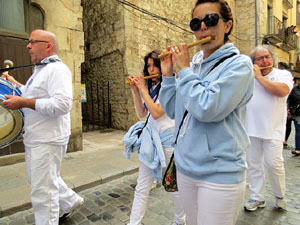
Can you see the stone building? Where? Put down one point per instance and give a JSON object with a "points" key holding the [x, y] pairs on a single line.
{"points": [[271, 22], [118, 34], [62, 17], [103, 42]]}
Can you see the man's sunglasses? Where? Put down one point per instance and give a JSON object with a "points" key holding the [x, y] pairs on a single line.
{"points": [[210, 20]]}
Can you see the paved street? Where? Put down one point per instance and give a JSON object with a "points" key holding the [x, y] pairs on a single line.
{"points": [[110, 203]]}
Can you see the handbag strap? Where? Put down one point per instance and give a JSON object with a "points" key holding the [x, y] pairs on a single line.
{"points": [[186, 112]]}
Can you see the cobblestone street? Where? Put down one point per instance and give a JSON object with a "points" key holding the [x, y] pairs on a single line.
{"points": [[110, 203]]}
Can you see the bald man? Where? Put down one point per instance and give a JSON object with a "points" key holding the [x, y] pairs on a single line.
{"points": [[46, 102]]}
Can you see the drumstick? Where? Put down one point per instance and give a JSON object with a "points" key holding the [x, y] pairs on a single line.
{"points": [[201, 41], [7, 64], [265, 67], [145, 78]]}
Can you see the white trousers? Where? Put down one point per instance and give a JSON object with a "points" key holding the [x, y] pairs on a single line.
{"points": [[265, 153], [142, 190], [207, 203], [49, 193]]}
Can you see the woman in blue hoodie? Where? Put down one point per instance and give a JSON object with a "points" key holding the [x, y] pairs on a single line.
{"points": [[209, 97]]}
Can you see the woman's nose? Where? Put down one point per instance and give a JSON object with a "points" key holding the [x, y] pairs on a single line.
{"points": [[203, 26]]}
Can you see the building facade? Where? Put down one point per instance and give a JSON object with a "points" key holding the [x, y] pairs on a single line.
{"points": [[104, 42]]}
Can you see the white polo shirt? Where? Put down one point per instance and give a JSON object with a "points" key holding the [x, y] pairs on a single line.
{"points": [[266, 113]]}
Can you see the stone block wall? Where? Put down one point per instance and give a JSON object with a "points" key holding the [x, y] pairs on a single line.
{"points": [[64, 18], [117, 37], [244, 25]]}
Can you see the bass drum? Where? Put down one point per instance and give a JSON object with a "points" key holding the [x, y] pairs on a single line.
{"points": [[11, 121]]}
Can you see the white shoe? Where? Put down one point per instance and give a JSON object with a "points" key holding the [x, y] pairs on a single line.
{"points": [[154, 185], [280, 203], [65, 215], [174, 223], [252, 205]]}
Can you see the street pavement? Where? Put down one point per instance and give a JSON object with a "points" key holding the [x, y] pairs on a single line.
{"points": [[109, 202]]}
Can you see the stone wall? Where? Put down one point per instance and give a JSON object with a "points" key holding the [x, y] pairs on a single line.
{"points": [[244, 25], [64, 18], [117, 37]]}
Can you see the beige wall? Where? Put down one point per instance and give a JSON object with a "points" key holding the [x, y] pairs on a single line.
{"points": [[64, 18], [118, 38], [245, 24]]}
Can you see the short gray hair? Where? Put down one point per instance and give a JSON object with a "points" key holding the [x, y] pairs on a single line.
{"points": [[260, 48]]}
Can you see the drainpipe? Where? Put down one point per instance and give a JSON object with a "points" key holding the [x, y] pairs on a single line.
{"points": [[256, 16]]}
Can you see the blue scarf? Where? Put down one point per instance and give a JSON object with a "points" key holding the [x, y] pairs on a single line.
{"points": [[153, 94]]}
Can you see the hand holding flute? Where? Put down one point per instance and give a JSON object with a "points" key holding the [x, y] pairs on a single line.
{"points": [[145, 78], [182, 49], [201, 41]]}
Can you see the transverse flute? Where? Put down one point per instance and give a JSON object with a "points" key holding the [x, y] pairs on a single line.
{"points": [[201, 41], [145, 78]]}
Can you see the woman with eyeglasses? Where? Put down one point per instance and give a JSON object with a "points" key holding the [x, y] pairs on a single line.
{"points": [[208, 101], [159, 130]]}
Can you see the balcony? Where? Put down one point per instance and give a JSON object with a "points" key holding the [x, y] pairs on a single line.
{"points": [[290, 40], [276, 32]]}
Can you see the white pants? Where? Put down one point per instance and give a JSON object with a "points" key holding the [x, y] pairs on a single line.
{"points": [[49, 193], [142, 190], [207, 203], [268, 153]]}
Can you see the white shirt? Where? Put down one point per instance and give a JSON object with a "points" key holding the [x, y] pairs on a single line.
{"points": [[162, 123], [51, 86], [266, 113]]}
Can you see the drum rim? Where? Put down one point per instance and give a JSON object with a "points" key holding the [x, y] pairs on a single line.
{"points": [[10, 85], [17, 136]]}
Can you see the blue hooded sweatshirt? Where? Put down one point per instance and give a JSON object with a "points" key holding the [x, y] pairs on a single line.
{"points": [[212, 140]]}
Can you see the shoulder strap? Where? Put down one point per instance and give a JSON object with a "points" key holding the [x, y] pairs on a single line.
{"points": [[156, 97], [221, 60], [186, 112]]}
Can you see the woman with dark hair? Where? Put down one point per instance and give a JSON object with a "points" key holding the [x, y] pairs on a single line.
{"points": [[208, 102], [146, 98]]}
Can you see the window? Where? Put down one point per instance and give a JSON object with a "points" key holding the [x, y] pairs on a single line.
{"points": [[20, 17], [12, 15]]}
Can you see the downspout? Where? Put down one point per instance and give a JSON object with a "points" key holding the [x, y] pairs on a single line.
{"points": [[255, 13]]}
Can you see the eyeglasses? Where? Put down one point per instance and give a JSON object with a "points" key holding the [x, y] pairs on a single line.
{"points": [[262, 57], [36, 41], [210, 20]]}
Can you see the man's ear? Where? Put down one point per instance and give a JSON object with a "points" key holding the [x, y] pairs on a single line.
{"points": [[50, 46]]}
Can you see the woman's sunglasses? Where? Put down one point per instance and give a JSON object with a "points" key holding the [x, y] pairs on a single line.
{"points": [[210, 20]]}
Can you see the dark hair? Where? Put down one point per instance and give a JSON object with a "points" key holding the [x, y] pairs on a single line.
{"points": [[225, 11], [153, 55]]}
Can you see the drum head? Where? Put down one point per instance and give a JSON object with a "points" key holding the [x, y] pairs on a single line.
{"points": [[11, 125]]}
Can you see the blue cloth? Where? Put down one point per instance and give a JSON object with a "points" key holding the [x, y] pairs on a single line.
{"points": [[153, 94], [150, 146], [131, 140], [212, 141]]}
